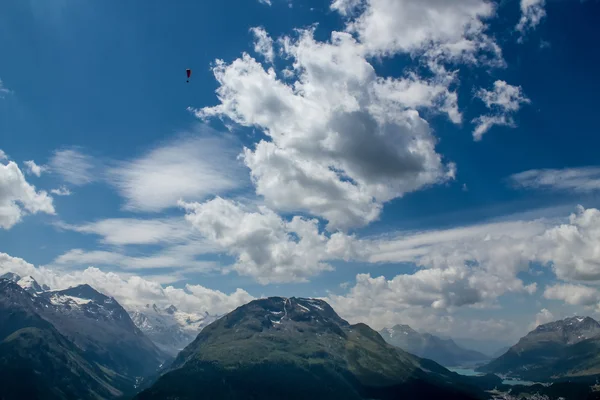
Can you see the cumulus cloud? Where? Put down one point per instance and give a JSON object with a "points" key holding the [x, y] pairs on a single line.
{"points": [[263, 44], [532, 13], [439, 30], [267, 247], [474, 266], [573, 249], [577, 295], [504, 100], [61, 191], [541, 318], [190, 167], [342, 141], [34, 169], [427, 320], [18, 197], [265, 2], [131, 291], [582, 180], [74, 166], [3, 155]]}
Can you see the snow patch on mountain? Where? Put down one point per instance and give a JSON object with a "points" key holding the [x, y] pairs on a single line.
{"points": [[170, 329]]}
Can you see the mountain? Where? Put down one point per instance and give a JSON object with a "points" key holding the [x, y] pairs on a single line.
{"points": [[489, 347], [27, 283], [30, 285], [170, 329], [36, 361], [11, 276], [297, 348], [425, 345], [565, 348], [102, 328]]}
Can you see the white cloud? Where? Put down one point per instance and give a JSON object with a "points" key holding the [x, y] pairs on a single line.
{"points": [[541, 318], [582, 180], [265, 2], [577, 295], [268, 248], [75, 167], [18, 197], [474, 266], [128, 231], [503, 100], [263, 44], [3, 90], [426, 320], [131, 291], [34, 169], [3, 155], [181, 257], [573, 248], [440, 30], [61, 191], [191, 167], [532, 13], [342, 141]]}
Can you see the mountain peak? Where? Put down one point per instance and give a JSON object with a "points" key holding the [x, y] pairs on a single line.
{"points": [[569, 324], [171, 309], [11, 276], [400, 329], [85, 291], [30, 284]]}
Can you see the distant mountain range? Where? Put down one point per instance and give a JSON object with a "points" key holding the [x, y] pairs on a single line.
{"points": [[425, 345], [78, 343], [569, 348], [170, 329], [295, 348]]}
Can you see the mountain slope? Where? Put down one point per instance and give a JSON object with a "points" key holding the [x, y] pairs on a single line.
{"points": [[442, 351], [170, 329], [297, 349], [102, 328], [36, 361], [562, 348]]}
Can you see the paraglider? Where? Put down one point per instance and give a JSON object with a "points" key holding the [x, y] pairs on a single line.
{"points": [[189, 73]]}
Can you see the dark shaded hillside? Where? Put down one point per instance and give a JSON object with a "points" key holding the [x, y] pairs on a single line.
{"points": [[36, 361], [567, 348], [297, 349]]}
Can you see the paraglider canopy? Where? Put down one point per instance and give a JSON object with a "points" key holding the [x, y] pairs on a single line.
{"points": [[189, 73]]}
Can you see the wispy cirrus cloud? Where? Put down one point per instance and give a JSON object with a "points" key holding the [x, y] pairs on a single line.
{"points": [[581, 180], [190, 167], [75, 167]]}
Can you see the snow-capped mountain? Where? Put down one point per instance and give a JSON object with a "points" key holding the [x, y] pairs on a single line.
{"points": [[27, 283], [170, 329], [571, 330], [100, 326], [11, 276]]}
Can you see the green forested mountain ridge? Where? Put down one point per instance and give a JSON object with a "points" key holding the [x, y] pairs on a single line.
{"points": [[560, 349], [443, 351], [297, 348], [36, 361]]}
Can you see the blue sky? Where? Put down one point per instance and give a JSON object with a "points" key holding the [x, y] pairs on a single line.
{"points": [[375, 142]]}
